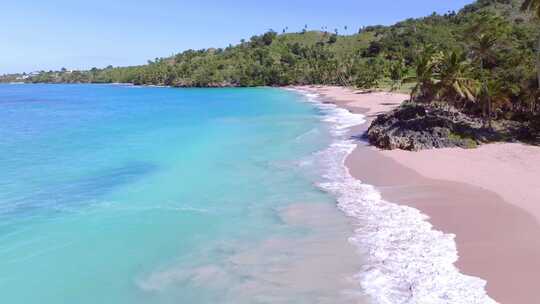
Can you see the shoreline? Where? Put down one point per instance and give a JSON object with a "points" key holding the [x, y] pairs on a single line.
{"points": [[406, 260], [489, 225]]}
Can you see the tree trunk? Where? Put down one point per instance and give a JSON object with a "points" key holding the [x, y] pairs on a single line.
{"points": [[484, 108], [489, 111], [486, 104], [538, 62]]}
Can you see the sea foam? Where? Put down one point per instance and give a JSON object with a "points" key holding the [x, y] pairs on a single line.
{"points": [[407, 260]]}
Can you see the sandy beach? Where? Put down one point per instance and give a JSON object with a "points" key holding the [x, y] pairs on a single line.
{"points": [[488, 197]]}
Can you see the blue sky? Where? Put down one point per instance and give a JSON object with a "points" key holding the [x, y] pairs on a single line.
{"points": [[43, 35]]}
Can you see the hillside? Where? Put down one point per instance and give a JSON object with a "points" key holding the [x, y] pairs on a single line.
{"points": [[310, 57], [480, 60], [268, 59]]}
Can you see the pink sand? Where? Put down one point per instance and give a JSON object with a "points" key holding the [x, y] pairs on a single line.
{"points": [[489, 197], [511, 170]]}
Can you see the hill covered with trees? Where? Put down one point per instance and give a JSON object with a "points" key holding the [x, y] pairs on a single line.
{"points": [[375, 54], [481, 60]]}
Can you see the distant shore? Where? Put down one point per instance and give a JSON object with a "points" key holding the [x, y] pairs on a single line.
{"points": [[489, 197]]}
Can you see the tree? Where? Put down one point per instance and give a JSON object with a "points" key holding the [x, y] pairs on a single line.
{"points": [[332, 39], [370, 72], [482, 49], [530, 95], [425, 75], [268, 37], [534, 7], [486, 31], [397, 73], [455, 80], [482, 42], [494, 92], [374, 49]]}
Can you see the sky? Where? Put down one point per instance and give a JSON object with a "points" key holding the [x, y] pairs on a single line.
{"points": [[45, 35]]}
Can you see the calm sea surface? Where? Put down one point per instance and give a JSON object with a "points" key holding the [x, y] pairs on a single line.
{"points": [[120, 194]]}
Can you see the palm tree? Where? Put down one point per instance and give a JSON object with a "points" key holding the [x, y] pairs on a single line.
{"points": [[397, 72], [455, 81], [486, 32], [534, 6], [531, 95], [482, 48], [482, 51], [346, 71], [425, 76], [495, 93]]}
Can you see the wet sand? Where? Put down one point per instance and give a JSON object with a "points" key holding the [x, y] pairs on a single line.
{"points": [[488, 197], [496, 240]]}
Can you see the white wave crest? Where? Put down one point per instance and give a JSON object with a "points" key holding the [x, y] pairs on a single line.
{"points": [[407, 261]]}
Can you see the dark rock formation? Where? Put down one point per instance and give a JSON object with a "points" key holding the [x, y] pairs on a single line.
{"points": [[415, 126]]}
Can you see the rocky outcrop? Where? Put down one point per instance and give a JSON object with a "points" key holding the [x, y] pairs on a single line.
{"points": [[415, 126]]}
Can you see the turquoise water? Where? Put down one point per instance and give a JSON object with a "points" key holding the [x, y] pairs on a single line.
{"points": [[119, 194]]}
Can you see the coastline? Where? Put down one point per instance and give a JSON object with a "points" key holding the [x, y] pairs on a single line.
{"points": [[491, 214]]}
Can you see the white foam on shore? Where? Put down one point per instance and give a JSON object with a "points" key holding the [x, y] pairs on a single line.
{"points": [[407, 260]]}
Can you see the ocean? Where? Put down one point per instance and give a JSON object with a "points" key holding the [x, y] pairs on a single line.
{"points": [[124, 194]]}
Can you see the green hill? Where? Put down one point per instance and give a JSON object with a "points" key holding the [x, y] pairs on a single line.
{"points": [[481, 60], [311, 56]]}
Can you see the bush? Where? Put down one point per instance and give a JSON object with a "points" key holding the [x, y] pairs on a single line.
{"points": [[370, 73]]}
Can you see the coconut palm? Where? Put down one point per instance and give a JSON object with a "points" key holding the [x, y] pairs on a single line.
{"points": [[455, 81], [482, 48], [397, 71], [483, 52], [485, 33], [534, 7], [496, 96], [425, 74], [529, 94]]}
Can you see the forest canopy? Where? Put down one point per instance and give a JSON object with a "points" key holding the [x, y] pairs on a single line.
{"points": [[481, 59]]}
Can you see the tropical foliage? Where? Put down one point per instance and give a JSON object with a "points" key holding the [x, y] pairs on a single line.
{"points": [[481, 59]]}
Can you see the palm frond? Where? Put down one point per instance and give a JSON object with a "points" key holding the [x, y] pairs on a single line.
{"points": [[531, 5]]}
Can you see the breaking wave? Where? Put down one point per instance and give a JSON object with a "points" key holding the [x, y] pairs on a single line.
{"points": [[407, 260]]}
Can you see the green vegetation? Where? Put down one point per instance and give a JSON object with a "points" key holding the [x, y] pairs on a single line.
{"points": [[470, 143], [269, 59], [480, 60]]}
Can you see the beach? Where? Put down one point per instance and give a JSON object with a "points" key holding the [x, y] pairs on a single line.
{"points": [[486, 197]]}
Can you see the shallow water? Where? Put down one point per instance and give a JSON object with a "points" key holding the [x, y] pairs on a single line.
{"points": [[405, 260], [120, 194]]}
